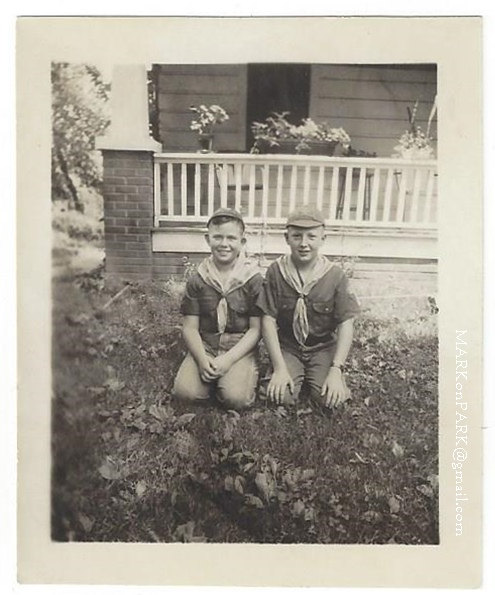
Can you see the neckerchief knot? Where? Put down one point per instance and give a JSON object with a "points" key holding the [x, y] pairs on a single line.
{"points": [[240, 274], [300, 324]]}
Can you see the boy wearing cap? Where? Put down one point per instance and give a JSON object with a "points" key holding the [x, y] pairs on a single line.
{"points": [[308, 314], [221, 325]]}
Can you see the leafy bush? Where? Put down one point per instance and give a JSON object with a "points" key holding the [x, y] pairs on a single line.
{"points": [[80, 113], [75, 224]]}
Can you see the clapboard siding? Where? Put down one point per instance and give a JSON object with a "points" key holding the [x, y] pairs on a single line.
{"points": [[182, 121], [174, 102], [211, 84], [407, 73], [420, 271], [371, 102], [377, 90], [177, 141], [365, 108], [180, 86], [194, 69]]}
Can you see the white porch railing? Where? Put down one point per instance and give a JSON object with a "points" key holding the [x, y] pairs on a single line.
{"points": [[355, 192]]}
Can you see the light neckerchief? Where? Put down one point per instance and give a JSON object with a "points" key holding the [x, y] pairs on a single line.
{"points": [[291, 275], [240, 274]]}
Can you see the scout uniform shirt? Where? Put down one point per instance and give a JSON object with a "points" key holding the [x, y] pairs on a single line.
{"points": [[328, 303], [222, 310]]}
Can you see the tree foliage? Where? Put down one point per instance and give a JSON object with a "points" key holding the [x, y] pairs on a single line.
{"points": [[80, 113]]}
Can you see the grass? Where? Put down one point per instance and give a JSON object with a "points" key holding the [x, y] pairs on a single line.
{"points": [[130, 464]]}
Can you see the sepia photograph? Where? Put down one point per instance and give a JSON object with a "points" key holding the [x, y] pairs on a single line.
{"points": [[176, 421], [244, 274]]}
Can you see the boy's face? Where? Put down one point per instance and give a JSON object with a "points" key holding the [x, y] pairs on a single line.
{"points": [[304, 243], [225, 241]]}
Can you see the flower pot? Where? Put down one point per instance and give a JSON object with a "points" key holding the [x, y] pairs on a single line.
{"points": [[297, 147], [205, 142]]}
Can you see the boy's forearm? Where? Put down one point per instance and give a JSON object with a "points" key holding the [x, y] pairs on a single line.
{"points": [[246, 344], [270, 336], [345, 332], [194, 344]]}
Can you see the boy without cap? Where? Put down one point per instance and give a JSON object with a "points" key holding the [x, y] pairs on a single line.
{"points": [[221, 325], [308, 313]]}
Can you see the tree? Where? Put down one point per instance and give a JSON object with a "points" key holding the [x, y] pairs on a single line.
{"points": [[80, 113]]}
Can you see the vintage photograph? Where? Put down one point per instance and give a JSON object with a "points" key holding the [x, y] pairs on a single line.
{"points": [[244, 303], [250, 289]]}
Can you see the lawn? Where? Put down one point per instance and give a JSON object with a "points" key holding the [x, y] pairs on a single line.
{"points": [[130, 464]]}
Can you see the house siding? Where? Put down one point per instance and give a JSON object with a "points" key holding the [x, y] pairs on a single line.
{"points": [[370, 102], [181, 86], [168, 265]]}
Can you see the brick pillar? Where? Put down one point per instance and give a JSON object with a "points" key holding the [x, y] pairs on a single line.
{"points": [[128, 213], [128, 176]]}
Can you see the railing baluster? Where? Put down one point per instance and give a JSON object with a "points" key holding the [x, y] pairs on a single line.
{"points": [[374, 193], [197, 190], [415, 195], [278, 204], [360, 197], [157, 194], [319, 189], [211, 188], [306, 185], [183, 189], [264, 197], [334, 190], [388, 195], [428, 215], [293, 187], [401, 203], [223, 184], [347, 194], [252, 184], [238, 185], [170, 189]]}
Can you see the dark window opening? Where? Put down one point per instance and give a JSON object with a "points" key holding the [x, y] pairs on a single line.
{"points": [[276, 88]]}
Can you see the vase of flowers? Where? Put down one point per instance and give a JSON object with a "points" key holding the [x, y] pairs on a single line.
{"points": [[277, 135], [204, 123], [414, 143]]}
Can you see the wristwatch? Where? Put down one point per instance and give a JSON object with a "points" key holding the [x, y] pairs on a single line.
{"points": [[341, 367]]}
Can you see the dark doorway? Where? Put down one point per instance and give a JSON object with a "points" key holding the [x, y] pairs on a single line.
{"points": [[277, 88]]}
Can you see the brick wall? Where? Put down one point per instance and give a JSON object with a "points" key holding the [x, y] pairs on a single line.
{"points": [[128, 213]]}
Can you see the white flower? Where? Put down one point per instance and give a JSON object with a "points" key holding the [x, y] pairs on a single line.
{"points": [[208, 117]]}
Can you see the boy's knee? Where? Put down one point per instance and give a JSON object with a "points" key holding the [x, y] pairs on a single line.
{"points": [[185, 391], [236, 397], [291, 397]]}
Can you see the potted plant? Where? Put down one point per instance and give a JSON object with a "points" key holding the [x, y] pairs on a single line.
{"points": [[207, 117], [414, 143], [277, 135]]}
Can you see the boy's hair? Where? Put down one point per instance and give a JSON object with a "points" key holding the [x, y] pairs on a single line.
{"points": [[218, 220]]}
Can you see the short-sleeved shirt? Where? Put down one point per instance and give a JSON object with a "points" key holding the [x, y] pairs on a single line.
{"points": [[329, 303], [200, 299]]}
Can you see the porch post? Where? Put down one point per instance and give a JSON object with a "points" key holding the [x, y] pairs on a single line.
{"points": [[128, 176]]}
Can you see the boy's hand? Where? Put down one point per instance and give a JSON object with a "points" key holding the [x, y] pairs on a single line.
{"points": [[222, 364], [333, 389], [207, 371], [278, 384]]}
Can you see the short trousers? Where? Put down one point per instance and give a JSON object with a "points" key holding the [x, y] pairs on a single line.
{"points": [[309, 367], [235, 390]]}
